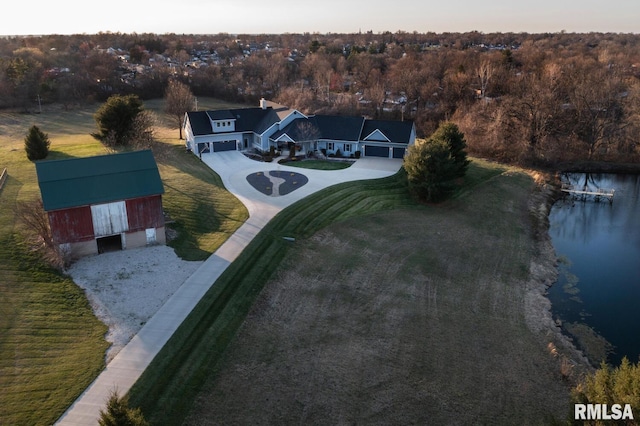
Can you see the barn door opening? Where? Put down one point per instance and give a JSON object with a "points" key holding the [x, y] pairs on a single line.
{"points": [[110, 243]]}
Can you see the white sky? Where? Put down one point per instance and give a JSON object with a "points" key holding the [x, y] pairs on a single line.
{"points": [[20, 17]]}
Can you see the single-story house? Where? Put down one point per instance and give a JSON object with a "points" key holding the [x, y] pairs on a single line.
{"points": [[102, 203], [273, 125]]}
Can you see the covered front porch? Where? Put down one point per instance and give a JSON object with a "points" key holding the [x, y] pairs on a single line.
{"points": [[290, 148]]}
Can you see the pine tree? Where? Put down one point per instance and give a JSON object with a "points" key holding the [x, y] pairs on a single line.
{"points": [[116, 120], [434, 166], [449, 133], [611, 385], [118, 413], [36, 144]]}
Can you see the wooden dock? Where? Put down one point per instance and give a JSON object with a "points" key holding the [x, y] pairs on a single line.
{"points": [[598, 193]]}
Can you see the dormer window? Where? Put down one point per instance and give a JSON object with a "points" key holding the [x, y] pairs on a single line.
{"points": [[222, 125]]}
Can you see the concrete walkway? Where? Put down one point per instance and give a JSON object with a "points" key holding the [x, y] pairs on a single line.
{"points": [[233, 167]]}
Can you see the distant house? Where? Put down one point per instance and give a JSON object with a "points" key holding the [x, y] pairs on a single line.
{"points": [[273, 125], [102, 203]]}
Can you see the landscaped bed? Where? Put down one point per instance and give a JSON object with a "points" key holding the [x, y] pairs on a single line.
{"points": [[320, 164], [276, 183]]}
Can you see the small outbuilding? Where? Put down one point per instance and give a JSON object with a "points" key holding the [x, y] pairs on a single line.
{"points": [[103, 203]]}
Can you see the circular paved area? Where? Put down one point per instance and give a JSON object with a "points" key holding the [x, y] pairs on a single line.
{"points": [[275, 183]]}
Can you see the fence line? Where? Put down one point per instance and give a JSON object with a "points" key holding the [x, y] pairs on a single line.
{"points": [[3, 177]]}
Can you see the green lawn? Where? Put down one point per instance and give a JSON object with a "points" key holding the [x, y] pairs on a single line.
{"points": [[51, 345], [167, 389], [204, 212], [468, 338]]}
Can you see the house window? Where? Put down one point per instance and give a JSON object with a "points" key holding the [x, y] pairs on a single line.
{"points": [[330, 146], [347, 147], [217, 124]]}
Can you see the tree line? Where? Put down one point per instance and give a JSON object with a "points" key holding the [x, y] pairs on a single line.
{"points": [[524, 98]]}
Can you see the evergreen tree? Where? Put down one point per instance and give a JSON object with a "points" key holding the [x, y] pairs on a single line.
{"points": [[434, 166], [118, 413], [449, 133], [36, 144], [609, 385], [116, 120]]}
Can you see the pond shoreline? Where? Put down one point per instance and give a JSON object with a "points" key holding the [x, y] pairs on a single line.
{"points": [[572, 362]]}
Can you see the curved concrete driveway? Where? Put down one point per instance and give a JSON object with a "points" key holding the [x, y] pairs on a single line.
{"points": [[233, 167]]}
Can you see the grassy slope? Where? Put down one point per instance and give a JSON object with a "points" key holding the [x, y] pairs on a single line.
{"points": [[168, 388], [51, 346], [195, 198], [402, 317]]}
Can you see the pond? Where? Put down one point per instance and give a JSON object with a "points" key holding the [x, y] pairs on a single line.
{"points": [[598, 243]]}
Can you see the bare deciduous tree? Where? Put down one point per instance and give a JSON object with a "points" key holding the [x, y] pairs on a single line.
{"points": [[484, 71], [35, 225], [178, 100]]}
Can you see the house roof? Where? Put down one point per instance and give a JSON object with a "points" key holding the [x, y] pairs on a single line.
{"points": [[328, 127], [200, 123], [395, 131], [221, 114], [93, 180], [246, 119], [331, 127], [339, 128]]}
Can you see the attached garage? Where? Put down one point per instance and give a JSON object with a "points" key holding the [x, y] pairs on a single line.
{"points": [[376, 151], [203, 148], [224, 146], [399, 152]]}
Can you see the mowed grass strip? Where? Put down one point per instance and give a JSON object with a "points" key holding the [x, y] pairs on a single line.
{"points": [[167, 388], [51, 345], [320, 164]]}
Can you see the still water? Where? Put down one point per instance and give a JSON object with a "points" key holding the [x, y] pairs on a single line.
{"points": [[599, 244]]}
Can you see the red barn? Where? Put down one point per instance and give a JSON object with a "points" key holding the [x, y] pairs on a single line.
{"points": [[107, 202]]}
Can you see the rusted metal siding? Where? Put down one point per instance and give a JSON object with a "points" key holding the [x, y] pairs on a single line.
{"points": [[144, 213], [71, 225]]}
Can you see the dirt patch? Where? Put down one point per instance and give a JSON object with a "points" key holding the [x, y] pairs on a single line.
{"points": [[406, 317]]}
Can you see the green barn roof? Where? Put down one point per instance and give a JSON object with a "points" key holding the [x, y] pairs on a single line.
{"points": [[94, 180]]}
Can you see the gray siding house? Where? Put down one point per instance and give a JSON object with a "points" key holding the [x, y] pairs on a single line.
{"points": [[273, 125]]}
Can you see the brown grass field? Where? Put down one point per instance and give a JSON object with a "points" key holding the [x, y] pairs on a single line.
{"points": [[403, 317]]}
